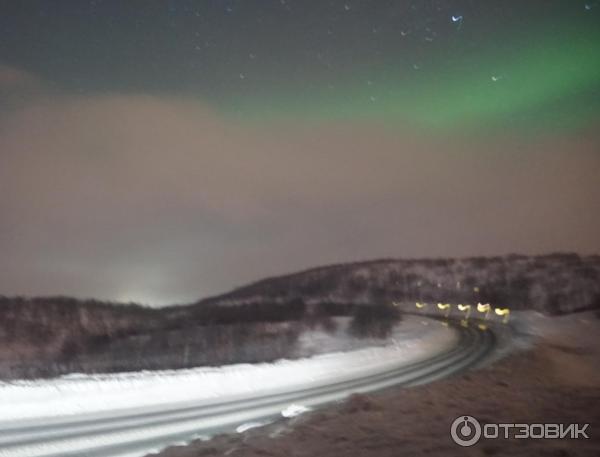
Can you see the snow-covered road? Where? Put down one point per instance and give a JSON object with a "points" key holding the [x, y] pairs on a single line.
{"points": [[134, 414]]}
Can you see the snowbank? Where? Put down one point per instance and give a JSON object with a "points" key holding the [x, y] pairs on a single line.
{"points": [[414, 339]]}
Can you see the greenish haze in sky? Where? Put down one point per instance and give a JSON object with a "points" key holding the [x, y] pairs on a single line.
{"points": [[552, 83]]}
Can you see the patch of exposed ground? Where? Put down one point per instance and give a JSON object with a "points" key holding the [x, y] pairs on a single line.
{"points": [[556, 381]]}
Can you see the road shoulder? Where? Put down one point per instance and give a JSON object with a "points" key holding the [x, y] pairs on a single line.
{"points": [[553, 381]]}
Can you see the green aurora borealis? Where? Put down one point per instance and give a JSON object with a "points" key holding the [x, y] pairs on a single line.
{"points": [[527, 66], [549, 83]]}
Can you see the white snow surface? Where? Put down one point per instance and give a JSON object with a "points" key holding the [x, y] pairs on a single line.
{"points": [[249, 426], [78, 394], [294, 410]]}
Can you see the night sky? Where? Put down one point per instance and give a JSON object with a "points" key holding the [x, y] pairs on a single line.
{"points": [[162, 151]]}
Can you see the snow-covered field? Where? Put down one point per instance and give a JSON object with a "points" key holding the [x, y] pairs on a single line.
{"points": [[415, 338]]}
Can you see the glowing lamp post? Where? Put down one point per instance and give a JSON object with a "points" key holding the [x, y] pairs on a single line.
{"points": [[445, 307], [466, 308], [503, 312], [484, 309]]}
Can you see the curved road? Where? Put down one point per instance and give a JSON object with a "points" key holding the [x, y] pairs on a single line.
{"points": [[138, 433]]}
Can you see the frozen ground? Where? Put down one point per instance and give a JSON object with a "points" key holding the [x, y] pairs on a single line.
{"points": [[415, 338], [320, 341], [555, 378]]}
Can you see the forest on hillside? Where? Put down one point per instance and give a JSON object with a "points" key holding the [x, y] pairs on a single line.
{"points": [[553, 284], [50, 336]]}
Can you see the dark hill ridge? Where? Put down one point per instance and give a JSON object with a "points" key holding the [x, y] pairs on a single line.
{"points": [[48, 336], [554, 283]]}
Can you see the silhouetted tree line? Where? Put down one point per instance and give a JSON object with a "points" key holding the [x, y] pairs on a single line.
{"points": [[555, 283], [50, 336], [375, 321], [261, 322]]}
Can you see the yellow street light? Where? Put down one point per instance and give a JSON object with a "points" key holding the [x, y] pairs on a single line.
{"points": [[466, 308], [446, 307], [503, 312], [484, 309]]}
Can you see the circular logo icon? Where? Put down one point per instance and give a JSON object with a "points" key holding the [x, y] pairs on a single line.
{"points": [[465, 431]]}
